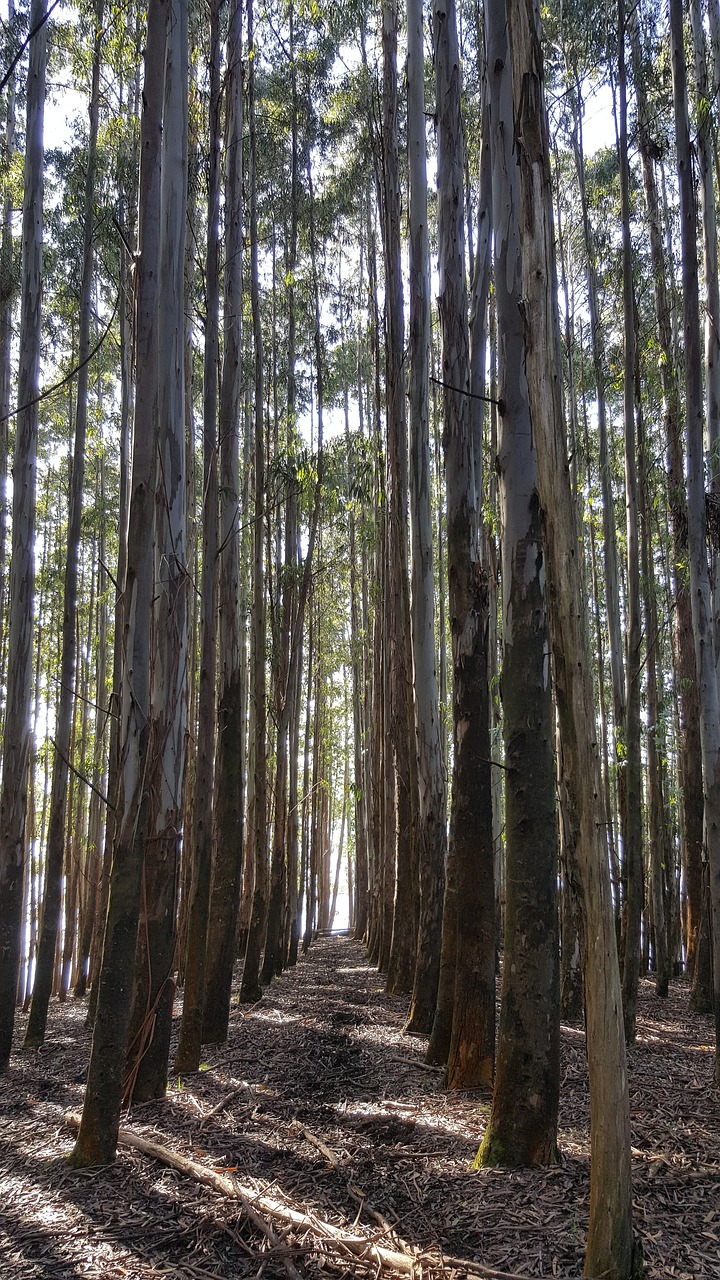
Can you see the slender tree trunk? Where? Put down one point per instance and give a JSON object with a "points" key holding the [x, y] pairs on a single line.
{"points": [[16, 742], [661, 852], [472, 1044], [632, 846], [700, 593], [230, 763], [188, 1051], [94, 858], [403, 777], [250, 989], [432, 824], [292, 628], [151, 1021], [293, 830], [522, 1129], [8, 287], [610, 554], [306, 796], [35, 1032], [97, 1137], [690, 752], [610, 1249]]}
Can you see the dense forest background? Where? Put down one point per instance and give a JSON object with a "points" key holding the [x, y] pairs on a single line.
{"points": [[358, 531]]}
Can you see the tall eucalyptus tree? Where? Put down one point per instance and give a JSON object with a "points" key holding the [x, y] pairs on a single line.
{"points": [[432, 822], [250, 989], [16, 741], [97, 1137], [190, 1042], [8, 286], [402, 777], [633, 872], [700, 592], [52, 896], [690, 754], [610, 1246], [151, 1021], [522, 1128], [472, 1042], [230, 763]]}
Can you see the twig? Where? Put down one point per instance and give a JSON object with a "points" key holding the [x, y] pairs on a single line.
{"points": [[416, 1062], [224, 1102], [57, 386], [81, 776]]}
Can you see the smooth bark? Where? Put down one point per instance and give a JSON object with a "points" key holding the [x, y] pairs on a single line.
{"points": [[432, 815], [16, 741]]}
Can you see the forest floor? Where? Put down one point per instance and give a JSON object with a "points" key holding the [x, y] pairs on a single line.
{"points": [[319, 1107]]}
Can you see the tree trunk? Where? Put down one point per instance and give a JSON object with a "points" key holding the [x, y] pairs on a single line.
{"points": [[661, 851], [522, 1129], [35, 1033], [610, 1249], [690, 752], [401, 740], [700, 594], [250, 989], [472, 1044], [16, 742], [151, 1021], [432, 823], [230, 762], [633, 872], [8, 289], [188, 1051], [97, 1138]]}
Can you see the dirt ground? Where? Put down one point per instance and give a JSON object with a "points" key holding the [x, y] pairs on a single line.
{"points": [[319, 1106]]}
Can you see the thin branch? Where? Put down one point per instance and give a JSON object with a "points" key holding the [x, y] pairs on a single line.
{"points": [[82, 777], [57, 386], [30, 36], [471, 395]]}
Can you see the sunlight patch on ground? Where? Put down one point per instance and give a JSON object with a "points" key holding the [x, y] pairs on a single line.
{"points": [[275, 1016]]}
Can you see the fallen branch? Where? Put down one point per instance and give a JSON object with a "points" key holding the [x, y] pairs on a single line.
{"points": [[357, 1194], [256, 1205], [407, 1061], [314, 1141], [210, 1177], [224, 1102]]}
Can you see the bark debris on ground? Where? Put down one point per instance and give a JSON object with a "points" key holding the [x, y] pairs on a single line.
{"points": [[333, 1150]]}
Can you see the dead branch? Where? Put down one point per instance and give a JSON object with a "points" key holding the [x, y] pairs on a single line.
{"points": [[224, 1102], [256, 1205], [259, 1207]]}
